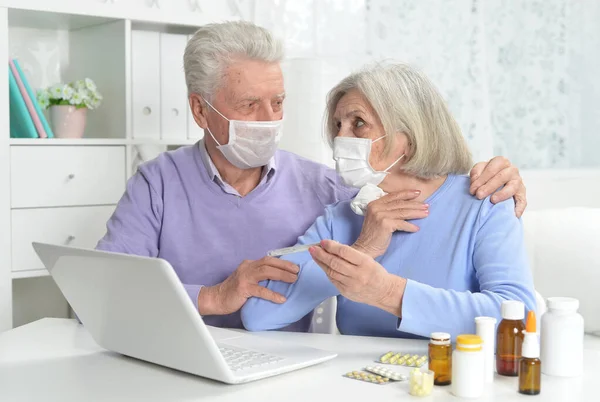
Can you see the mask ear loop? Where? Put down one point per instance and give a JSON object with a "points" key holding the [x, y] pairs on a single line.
{"points": [[220, 114], [397, 160], [213, 108], [392, 165]]}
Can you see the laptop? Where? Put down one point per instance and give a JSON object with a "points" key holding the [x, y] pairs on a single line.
{"points": [[136, 306]]}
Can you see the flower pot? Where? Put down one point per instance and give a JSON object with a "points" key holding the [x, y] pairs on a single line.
{"points": [[67, 121]]}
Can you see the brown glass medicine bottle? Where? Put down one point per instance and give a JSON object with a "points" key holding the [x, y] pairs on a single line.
{"points": [[440, 358], [509, 338], [530, 366]]}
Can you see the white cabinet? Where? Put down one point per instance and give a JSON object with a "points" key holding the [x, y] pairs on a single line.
{"points": [[62, 176], [64, 190], [73, 226]]}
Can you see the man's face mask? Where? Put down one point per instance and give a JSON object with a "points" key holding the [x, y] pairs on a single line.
{"points": [[251, 143]]}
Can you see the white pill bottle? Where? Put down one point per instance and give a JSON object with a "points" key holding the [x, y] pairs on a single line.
{"points": [[562, 338], [468, 367]]}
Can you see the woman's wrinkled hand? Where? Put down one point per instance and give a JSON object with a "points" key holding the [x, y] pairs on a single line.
{"points": [[386, 215], [359, 277]]}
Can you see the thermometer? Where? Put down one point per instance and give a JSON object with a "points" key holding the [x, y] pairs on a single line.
{"points": [[290, 250]]}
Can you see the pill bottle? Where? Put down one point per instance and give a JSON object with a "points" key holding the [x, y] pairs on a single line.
{"points": [[468, 365], [509, 338], [562, 338], [485, 327], [530, 374], [440, 358]]}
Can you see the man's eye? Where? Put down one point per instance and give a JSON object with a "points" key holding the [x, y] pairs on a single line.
{"points": [[338, 125], [359, 123]]}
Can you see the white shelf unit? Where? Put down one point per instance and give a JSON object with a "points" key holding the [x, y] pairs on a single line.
{"points": [[64, 190]]}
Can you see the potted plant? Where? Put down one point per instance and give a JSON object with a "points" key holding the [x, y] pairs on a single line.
{"points": [[68, 104]]}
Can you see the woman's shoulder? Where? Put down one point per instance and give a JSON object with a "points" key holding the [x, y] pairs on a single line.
{"points": [[457, 197]]}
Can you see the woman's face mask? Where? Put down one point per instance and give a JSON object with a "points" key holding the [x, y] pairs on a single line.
{"points": [[351, 157], [251, 143], [357, 122]]}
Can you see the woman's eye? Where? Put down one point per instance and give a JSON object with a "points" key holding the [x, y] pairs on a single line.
{"points": [[338, 125], [359, 123]]}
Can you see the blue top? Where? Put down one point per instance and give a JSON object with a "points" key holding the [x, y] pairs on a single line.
{"points": [[467, 257]]}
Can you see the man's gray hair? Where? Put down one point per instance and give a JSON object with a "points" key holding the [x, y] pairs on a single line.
{"points": [[407, 102], [214, 46]]}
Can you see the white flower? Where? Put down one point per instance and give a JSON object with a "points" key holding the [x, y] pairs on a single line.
{"points": [[56, 91], [44, 103], [67, 92], [79, 85], [78, 98], [90, 85], [43, 94]]}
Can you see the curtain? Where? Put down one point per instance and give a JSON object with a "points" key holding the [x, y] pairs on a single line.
{"points": [[520, 76]]}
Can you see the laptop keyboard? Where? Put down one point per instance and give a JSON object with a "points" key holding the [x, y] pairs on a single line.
{"points": [[239, 359]]}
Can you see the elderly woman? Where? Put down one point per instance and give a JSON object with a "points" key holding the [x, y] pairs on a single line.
{"points": [[395, 138]]}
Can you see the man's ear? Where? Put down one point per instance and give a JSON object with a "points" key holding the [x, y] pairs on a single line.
{"points": [[199, 109]]}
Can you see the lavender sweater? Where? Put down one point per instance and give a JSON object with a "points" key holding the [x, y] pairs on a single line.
{"points": [[178, 208]]}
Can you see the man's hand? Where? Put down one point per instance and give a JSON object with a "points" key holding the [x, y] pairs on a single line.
{"points": [[387, 215], [231, 294], [487, 177]]}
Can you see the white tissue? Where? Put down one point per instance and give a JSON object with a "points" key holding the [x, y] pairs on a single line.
{"points": [[367, 193]]}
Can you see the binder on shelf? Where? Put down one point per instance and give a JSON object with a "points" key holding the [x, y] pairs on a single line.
{"points": [[30, 108], [21, 125], [32, 96], [145, 82], [173, 92]]}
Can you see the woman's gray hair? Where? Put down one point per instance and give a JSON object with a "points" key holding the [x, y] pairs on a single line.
{"points": [[214, 46], [407, 102]]}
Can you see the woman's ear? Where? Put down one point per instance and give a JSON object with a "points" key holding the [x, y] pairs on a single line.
{"points": [[404, 145], [199, 109]]}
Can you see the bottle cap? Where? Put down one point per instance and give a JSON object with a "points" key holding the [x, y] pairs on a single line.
{"points": [[513, 310], [531, 346], [468, 343], [563, 303], [440, 338], [530, 323], [485, 320]]}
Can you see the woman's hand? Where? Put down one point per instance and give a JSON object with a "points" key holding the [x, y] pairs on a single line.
{"points": [[359, 277], [487, 177], [386, 215]]}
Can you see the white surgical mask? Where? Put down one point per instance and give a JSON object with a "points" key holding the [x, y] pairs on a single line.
{"points": [[352, 161], [251, 143]]}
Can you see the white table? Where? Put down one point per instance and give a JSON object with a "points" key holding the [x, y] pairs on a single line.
{"points": [[57, 360]]}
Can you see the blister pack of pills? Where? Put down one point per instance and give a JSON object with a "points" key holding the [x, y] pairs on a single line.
{"points": [[376, 375], [387, 373], [367, 377], [403, 359]]}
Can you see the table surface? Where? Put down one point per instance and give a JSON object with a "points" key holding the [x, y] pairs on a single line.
{"points": [[57, 360]]}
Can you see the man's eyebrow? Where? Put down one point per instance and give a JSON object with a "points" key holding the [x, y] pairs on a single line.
{"points": [[279, 96], [249, 98]]}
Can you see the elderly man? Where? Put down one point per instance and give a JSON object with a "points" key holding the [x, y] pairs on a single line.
{"points": [[214, 209]]}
